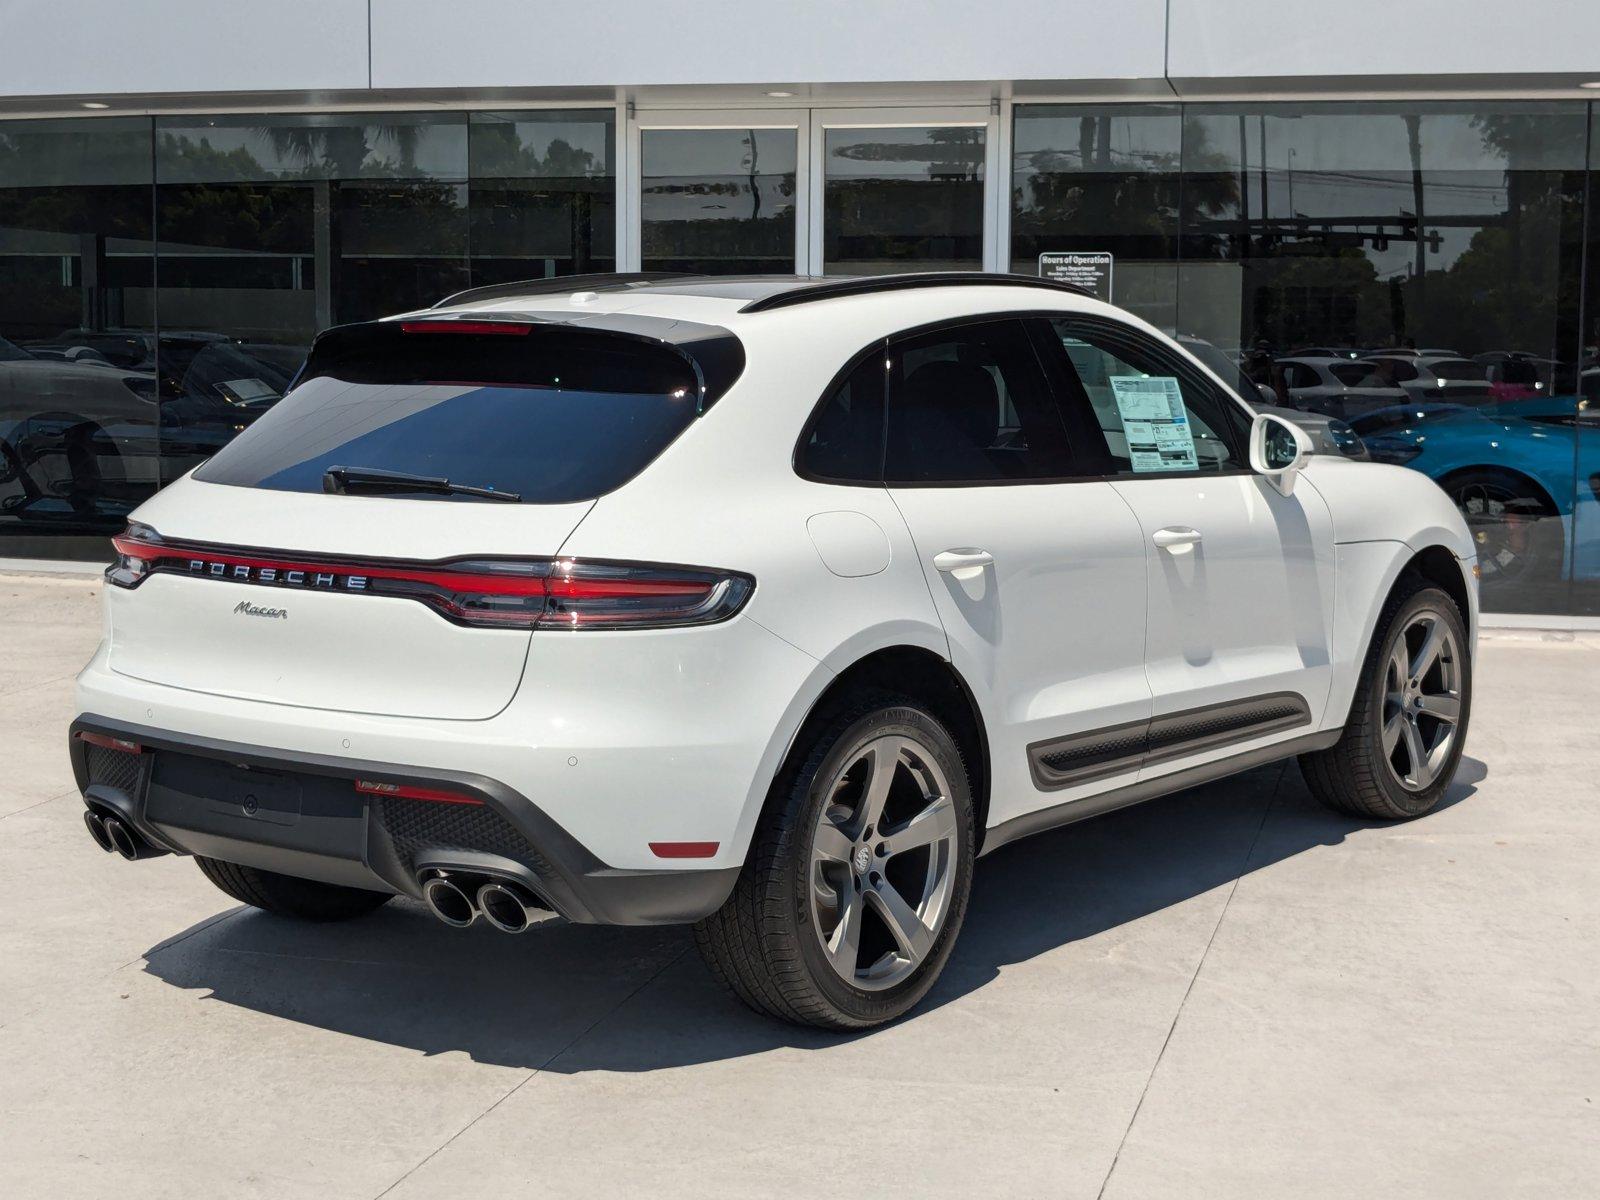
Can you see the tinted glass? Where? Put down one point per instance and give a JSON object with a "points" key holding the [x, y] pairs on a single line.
{"points": [[1145, 412], [845, 442], [553, 416], [1411, 234], [970, 405], [541, 194], [718, 201], [1103, 179], [902, 200], [79, 410]]}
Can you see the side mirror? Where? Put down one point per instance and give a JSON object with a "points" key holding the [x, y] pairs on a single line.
{"points": [[1278, 449]]}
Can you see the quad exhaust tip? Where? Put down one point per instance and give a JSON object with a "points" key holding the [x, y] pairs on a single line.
{"points": [[449, 903], [505, 906], [97, 830], [123, 840]]}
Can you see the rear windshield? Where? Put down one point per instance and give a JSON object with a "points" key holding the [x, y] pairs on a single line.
{"points": [[553, 415]]}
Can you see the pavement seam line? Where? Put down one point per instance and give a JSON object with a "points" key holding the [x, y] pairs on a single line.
{"points": [[1244, 867], [573, 1041], [40, 803]]}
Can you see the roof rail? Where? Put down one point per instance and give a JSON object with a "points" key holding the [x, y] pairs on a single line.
{"points": [[608, 281], [864, 285]]}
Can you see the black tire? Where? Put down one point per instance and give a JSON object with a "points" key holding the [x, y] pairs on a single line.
{"points": [[289, 896], [762, 944], [1516, 527], [1355, 776]]}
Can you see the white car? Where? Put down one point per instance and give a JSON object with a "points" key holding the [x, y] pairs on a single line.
{"points": [[769, 604]]}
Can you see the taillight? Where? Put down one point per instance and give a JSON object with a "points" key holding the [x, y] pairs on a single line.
{"points": [[538, 593]]}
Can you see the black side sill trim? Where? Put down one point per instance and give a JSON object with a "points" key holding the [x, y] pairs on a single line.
{"points": [[1084, 757], [1150, 789], [833, 289]]}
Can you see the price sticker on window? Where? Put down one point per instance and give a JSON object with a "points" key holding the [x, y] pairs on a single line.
{"points": [[1155, 423]]}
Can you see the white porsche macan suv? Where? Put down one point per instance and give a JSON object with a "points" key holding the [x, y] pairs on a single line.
{"points": [[768, 604]]}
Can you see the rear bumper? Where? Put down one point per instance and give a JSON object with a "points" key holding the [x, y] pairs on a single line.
{"points": [[333, 832]]}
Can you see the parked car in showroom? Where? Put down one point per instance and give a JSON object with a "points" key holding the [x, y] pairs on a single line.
{"points": [[1337, 387], [767, 604], [1523, 473]]}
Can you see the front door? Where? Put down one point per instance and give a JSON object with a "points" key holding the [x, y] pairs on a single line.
{"points": [[1040, 583], [1239, 576]]}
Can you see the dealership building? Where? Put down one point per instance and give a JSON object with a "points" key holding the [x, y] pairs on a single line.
{"points": [[1383, 213]]}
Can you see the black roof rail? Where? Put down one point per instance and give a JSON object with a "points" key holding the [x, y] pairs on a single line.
{"points": [[607, 281], [864, 285]]}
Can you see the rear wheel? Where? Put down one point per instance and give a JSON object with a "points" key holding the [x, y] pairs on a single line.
{"points": [[1515, 527], [859, 876], [289, 896], [1408, 721]]}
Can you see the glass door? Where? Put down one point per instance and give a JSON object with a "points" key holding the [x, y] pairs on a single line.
{"points": [[902, 190], [721, 193]]}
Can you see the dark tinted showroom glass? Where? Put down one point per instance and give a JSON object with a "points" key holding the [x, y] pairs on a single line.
{"points": [[1439, 245], [1102, 179], [845, 440], [970, 405], [78, 396], [907, 199], [718, 201], [1138, 410], [541, 194], [273, 227], [553, 416]]}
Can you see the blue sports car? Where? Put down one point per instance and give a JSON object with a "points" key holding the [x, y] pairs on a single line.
{"points": [[1525, 474]]}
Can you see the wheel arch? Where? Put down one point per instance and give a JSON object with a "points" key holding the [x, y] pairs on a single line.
{"points": [[1513, 474], [920, 674]]}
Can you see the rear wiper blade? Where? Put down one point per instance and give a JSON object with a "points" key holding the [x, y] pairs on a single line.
{"points": [[346, 480]]}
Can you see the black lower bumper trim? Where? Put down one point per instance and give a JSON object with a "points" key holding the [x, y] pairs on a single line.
{"points": [[556, 865]]}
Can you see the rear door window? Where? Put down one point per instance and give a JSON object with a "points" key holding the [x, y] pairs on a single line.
{"points": [[554, 415]]}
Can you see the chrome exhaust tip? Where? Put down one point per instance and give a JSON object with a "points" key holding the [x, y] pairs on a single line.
{"points": [[123, 840], [506, 906], [96, 825], [448, 902]]}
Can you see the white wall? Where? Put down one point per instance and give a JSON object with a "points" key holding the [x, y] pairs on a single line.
{"points": [[1378, 40], [111, 47], [502, 43], [106, 47]]}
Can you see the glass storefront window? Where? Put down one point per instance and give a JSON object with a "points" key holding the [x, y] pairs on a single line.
{"points": [[273, 227], [1102, 180], [902, 199], [78, 405], [1437, 246], [718, 201], [542, 194]]}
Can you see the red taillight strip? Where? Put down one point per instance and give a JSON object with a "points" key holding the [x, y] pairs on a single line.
{"points": [[106, 742], [406, 791], [684, 849], [489, 327]]}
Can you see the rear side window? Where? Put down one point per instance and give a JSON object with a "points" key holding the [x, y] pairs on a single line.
{"points": [[970, 405], [554, 415], [845, 440]]}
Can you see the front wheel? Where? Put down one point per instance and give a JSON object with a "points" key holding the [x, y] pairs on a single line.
{"points": [[1408, 721], [858, 880]]}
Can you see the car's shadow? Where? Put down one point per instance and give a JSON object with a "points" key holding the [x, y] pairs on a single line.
{"points": [[402, 978]]}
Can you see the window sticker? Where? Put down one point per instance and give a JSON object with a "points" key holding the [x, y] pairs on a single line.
{"points": [[1155, 423]]}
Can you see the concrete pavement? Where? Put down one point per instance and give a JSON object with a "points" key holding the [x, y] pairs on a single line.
{"points": [[1225, 993]]}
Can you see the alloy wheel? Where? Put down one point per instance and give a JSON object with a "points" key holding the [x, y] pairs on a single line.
{"points": [[883, 862], [1421, 700]]}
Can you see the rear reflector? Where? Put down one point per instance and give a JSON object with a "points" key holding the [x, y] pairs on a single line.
{"points": [[534, 593], [406, 791], [684, 849], [107, 742], [512, 328]]}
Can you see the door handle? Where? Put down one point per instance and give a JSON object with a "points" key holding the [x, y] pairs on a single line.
{"points": [[964, 559], [1178, 539]]}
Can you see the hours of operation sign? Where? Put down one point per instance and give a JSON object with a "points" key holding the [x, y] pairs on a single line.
{"points": [[1088, 269]]}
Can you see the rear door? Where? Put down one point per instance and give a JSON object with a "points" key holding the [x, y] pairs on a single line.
{"points": [[1038, 579], [1239, 576], [259, 578]]}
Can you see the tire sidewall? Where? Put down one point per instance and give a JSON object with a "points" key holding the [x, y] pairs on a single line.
{"points": [[856, 1004]]}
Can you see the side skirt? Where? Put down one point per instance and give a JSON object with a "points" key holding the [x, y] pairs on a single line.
{"points": [[1149, 789]]}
